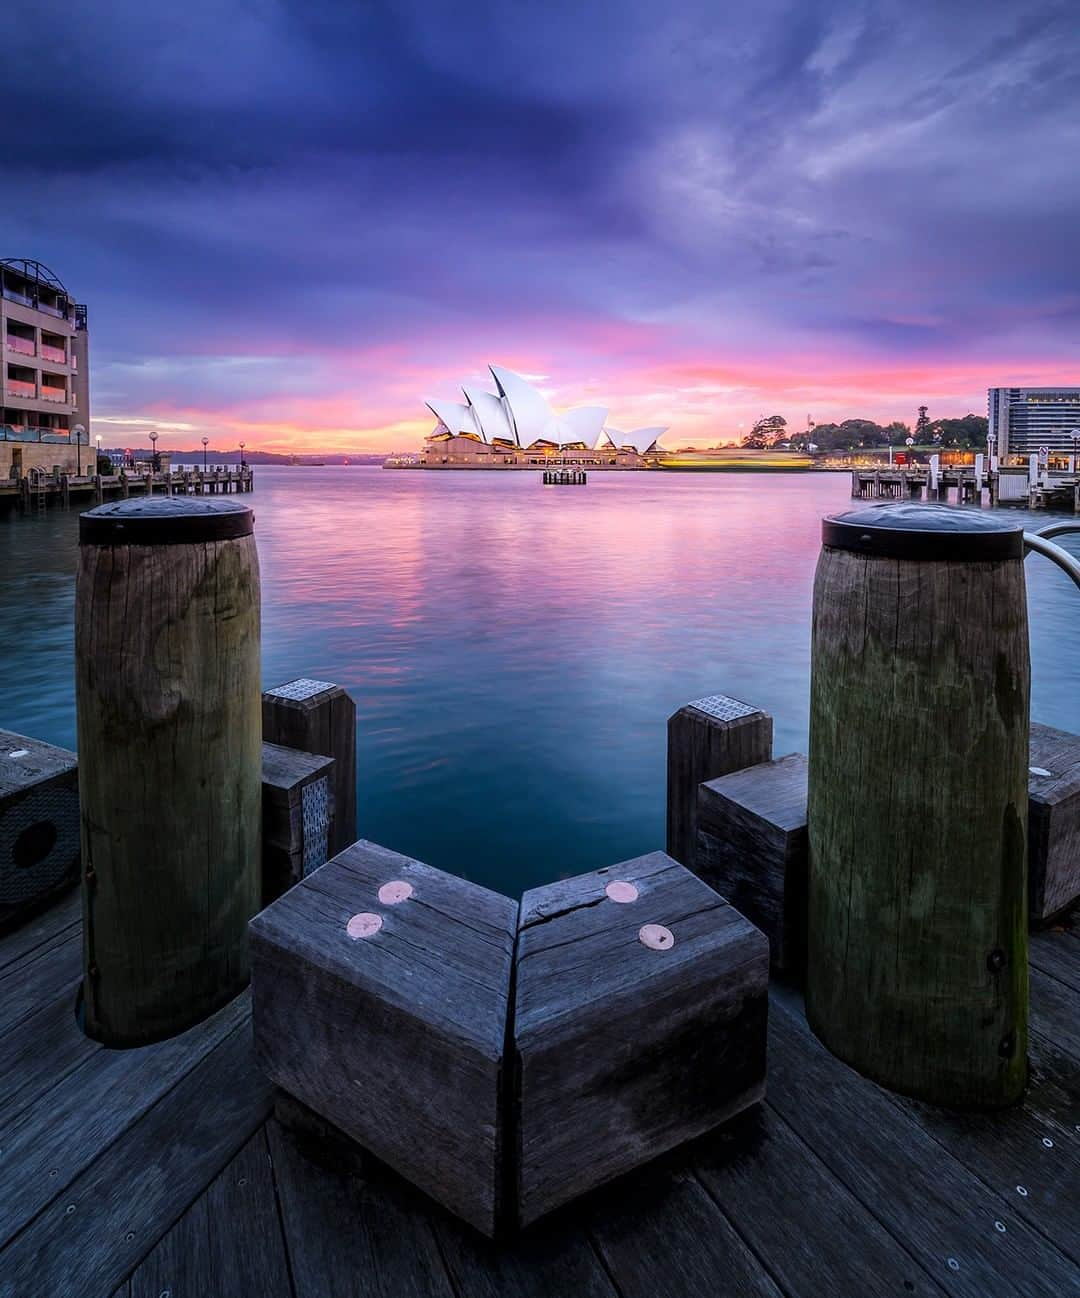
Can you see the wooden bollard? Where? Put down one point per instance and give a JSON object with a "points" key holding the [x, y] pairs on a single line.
{"points": [[170, 751], [917, 939], [319, 717], [708, 738]]}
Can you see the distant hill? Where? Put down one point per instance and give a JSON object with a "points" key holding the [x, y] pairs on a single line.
{"points": [[253, 457]]}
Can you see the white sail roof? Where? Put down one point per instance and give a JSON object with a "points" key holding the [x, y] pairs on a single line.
{"points": [[582, 424], [529, 409], [491, 414], [522, 416], [458, 418], [641, 440]]}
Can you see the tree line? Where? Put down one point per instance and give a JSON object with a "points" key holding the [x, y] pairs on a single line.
{"points": [[771, 433]]}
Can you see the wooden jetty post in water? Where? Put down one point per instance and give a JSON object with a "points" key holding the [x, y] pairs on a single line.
{"points": [[708, 738], [170, 753], [917, 809], [319, 717]]}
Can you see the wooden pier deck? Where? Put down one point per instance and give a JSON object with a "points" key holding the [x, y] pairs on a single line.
{"points": [[37, 492], [164, 1172]]}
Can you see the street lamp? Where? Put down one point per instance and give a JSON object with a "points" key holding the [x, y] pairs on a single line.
{"points": [[205, 440], [242, 454], [153, 452], [80, 432], [97, 449], [1074, 433]]}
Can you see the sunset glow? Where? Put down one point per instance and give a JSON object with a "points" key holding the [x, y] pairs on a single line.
{"points": [[293, 229]]}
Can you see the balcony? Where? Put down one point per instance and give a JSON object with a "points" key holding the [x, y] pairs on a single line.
{"points": [[51, 353], [24, 346], [13, 295], [52, 310], [20, 388], [53, 394]]}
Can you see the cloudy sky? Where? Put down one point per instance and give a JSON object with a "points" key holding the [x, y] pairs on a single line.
{"points": [[293, 220]]}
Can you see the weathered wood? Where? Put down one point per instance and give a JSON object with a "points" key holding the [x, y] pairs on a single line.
{"points": [[917, 914], [810, 1232], [353, 1232], [40, 1052], [1053, 821], [706, 739], [751, 848], [919, 1191], [49, 970], [395, 1032], [229, 1241], [1031, 1144], [43, 928], [170, 742], [624, 1051], [54, 1140], [1057, 953], [298, 816], [661, 1233], [95, 1233], [39, 826], [319, 717]]}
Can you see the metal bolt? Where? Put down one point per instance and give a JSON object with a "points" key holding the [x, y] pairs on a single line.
{"points": [[1022, 1191], [622, 891], [130, 1236], [954, 1265], [69, 1209], [1048, 1142], [999, 1226]]}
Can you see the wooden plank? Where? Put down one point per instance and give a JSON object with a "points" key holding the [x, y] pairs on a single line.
{"points": [[53, 1141], [624, 1051], [778, 1196], [1054, 1017], [706, 739], [660, 1232], [94, 1234], [552, 1258], [17, 945], [1057, 953], [923, 1196], [751, 847], [353, 1232], [1053, 821], [228, 1242], [1032, 1144], [47, 971], [40, 1052], [396, 1036], [319, 717]]}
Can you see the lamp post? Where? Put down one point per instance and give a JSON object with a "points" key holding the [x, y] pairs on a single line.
{"points": [[153, 452], [991, 442], [1074, 433], [205, 440], [80, 432], [97, 451], [242, 454]]}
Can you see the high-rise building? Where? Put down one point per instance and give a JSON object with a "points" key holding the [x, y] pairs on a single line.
{"points": [[45, 381], [1025, 419]]}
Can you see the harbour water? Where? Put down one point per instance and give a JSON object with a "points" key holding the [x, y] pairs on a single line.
{"points": [[514, 649]]}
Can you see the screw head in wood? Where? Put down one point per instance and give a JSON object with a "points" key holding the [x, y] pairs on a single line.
{"points": [[365, 924], [622, 891], [656, 937], [397, 890]]}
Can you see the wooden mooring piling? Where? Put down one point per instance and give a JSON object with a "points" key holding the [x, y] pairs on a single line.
{"points": [[38, 489]]}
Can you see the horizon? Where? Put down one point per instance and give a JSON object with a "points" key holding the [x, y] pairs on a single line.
{"points": [[790, 212]]}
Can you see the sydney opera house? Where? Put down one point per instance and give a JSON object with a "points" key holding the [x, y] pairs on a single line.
{"points": [[515, 427]]}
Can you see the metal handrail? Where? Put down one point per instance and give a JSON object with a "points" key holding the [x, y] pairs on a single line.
{"points": [[1040, 543]]}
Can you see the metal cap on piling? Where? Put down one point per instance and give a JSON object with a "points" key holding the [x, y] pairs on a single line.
{"points": [[165, 520], [924, 532]]}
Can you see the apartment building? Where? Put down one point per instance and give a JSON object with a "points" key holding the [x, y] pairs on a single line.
{"points": [[1023, 420], [45, 388]]}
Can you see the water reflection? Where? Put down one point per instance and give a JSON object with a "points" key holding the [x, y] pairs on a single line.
{"points": [[514, 650]]}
